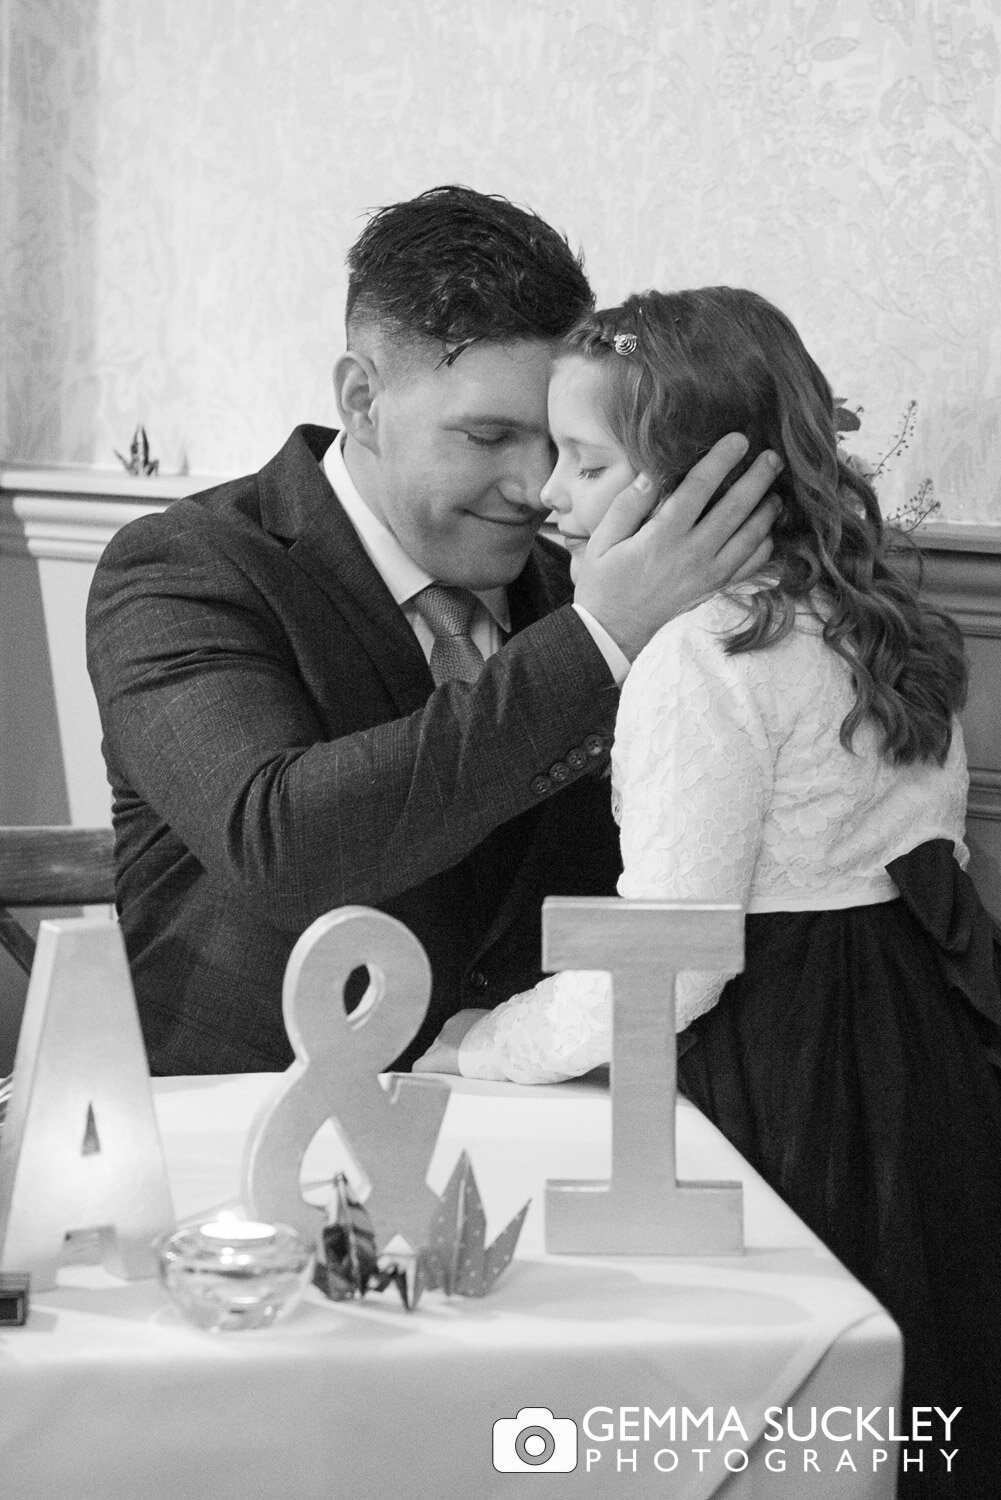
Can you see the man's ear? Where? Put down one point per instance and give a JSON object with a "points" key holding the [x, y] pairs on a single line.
{"points": [[356, 385]]}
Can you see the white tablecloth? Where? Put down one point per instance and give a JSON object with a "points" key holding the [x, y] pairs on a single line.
{"points": [[109, 1394]]}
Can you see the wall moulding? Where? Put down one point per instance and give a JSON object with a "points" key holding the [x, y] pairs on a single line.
{"points": [[985, 796], [961, 574], [72, 514]]}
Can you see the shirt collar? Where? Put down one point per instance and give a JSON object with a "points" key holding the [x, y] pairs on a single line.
{"points": [[402, 576]]}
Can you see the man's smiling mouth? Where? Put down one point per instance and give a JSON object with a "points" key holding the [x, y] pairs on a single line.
{"points": [[510, 521]]}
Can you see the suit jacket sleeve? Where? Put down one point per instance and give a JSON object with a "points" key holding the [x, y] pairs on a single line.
{"points": [[207, 719]]}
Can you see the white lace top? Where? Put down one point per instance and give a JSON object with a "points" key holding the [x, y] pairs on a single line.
{"points": [[730, 783]]}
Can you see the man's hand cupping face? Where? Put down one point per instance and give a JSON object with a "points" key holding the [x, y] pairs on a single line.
{"points": [[646, 562]]}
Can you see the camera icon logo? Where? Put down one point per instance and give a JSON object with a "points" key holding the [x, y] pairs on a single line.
{"points": [[535, 1442]]}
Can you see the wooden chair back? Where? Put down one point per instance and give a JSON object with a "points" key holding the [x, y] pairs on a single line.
{"points": [[51, 867]]}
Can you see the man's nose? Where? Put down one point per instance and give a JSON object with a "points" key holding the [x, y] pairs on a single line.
{"points": [[534, 471]]}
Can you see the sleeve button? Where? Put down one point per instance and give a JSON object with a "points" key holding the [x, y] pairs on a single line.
{"points": [[577, 758], [477, 979], [540, 785], [559, 772], [595, 744]]}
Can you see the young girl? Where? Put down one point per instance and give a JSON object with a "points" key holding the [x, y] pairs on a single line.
{"points": [[791, 744]]}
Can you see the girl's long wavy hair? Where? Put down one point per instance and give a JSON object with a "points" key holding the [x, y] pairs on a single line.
{"points": [[721, 360]]}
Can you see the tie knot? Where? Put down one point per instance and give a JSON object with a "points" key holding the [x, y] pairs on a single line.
{"points": [[447, 611]]}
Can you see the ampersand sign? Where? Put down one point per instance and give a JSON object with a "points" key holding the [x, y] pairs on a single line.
{"points": [[390, 1134]]}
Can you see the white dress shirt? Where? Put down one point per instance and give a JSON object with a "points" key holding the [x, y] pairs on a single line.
{"points": [[405, 579]]}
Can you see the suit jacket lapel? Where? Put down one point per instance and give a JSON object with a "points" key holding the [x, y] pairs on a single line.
{"points": [[298, 504], [542, 586]]}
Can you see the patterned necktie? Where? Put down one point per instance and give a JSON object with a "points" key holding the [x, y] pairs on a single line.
{"points": [[448, 613]]}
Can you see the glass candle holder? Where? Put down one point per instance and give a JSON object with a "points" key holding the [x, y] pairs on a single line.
{"points": [[232, 1273]]}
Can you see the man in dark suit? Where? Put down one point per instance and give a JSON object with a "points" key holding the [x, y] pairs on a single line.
{"points": [[360, 677]]}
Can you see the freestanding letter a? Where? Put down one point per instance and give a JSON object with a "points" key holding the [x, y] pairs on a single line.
{"points": [[80, 1149]]}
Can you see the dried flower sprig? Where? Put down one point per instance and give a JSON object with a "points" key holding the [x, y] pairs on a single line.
{"points": [[139, 461], [902, 439], [917, 507]]}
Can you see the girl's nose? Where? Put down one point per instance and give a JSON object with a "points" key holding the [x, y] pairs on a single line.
{"points": [[552, 495]]}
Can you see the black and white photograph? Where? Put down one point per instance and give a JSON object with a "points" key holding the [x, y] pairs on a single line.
{"points": [[500, 749]]}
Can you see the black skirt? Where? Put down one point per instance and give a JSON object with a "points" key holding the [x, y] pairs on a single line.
{"points": [[853, 1064]]}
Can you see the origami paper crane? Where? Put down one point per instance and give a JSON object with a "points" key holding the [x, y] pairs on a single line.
{"points": [[458, 1237], [456, 1259]]}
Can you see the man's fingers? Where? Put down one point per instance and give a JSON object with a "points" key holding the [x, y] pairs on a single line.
{"points": [[750, 547], [680, 511], [739, 503], [756, 561], [624, 516], [647, 562]]}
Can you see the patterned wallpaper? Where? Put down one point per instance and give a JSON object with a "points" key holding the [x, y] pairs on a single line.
{"points": [[181, 179]]}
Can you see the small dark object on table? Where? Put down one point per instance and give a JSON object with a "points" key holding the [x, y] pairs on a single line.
{"points": [[14, 1289]]}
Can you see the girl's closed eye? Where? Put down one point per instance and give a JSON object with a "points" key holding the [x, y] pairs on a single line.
{"points": [[591, 473]]}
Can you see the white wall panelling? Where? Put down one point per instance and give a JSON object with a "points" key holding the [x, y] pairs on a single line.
{"points": [[54, 525]]}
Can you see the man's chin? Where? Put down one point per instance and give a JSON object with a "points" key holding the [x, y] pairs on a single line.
{"points": [[495, 572]]}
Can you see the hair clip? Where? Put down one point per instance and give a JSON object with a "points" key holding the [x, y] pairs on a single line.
{"points": [[624, 343]]}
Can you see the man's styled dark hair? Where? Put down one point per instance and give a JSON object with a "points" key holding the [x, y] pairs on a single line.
{"points": [[456, 266]]}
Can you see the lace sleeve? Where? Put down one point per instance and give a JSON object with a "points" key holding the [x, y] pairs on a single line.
{"points": [[693, 768], [558, 1030]]}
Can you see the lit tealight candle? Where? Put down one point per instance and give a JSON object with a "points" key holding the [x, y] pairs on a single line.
{"points": [[234, 1273], [229, 1227]]}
